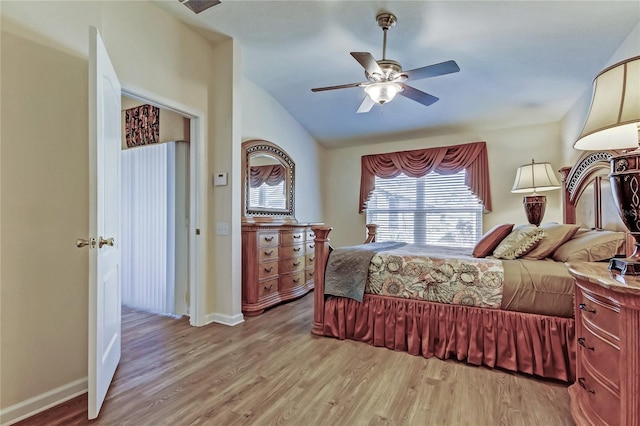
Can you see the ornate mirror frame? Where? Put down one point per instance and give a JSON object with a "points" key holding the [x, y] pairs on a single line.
{"points": [[252, 214]]}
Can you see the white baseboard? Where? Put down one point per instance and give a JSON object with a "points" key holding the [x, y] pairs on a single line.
{"points": [[42, 402], [224, 319]]}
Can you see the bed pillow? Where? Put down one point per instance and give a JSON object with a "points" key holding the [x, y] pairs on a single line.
{"points": [[520, 241], [591, 246], [557, 234], [491, 239]]}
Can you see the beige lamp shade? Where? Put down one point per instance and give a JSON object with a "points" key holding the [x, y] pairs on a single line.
{"points": [[535, 177], [615, 109]]}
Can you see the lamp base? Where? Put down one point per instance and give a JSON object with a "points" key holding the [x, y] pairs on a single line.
{"points": [[625, 181], [534, 207]]}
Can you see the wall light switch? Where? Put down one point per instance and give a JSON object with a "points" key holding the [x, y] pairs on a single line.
{"points": [[222, 228], [220, 179]]}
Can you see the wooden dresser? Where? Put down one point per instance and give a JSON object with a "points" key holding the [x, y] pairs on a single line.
{"points": [[607, 387], [277, 264]]}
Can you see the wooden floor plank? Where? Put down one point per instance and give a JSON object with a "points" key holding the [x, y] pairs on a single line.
{"points": [[271, 370]]}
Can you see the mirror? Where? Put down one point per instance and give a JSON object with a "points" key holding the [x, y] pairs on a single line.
{"points": [[268, 175]]}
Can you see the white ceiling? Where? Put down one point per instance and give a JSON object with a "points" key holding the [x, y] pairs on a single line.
{"points": [[522, 62]]}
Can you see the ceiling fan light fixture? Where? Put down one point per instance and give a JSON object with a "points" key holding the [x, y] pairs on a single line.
{"points": [[384, 92], [385, 78]]}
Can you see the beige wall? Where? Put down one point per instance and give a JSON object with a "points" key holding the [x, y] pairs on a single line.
{"points": [[507, 149], [224, 251], [44, 169], [574, 119], [264, 118], [45, 197]]}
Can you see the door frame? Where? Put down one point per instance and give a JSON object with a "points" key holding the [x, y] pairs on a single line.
{"points": [[197, 198]]}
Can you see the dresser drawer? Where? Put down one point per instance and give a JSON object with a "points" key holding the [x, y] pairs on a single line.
{"points": [[604, 403], [266, 270], [289, 238], [267, 253], [291, 265], [309, 274], [310, 235], [601, 355], [310, 259], [290, 281], [599, 313], [268, 239], [287, 252], [311, 247], [267, 287]]}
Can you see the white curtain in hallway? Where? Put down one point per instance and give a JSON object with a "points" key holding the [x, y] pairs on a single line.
{"points": [[148, 224]]}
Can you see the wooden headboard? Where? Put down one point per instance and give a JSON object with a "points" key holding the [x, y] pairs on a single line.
{"points": [[588, 198]]}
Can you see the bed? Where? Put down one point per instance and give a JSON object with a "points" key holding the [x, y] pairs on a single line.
{"points": [[523, 319]]}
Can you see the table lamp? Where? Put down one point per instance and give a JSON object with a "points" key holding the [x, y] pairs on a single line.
{"points": [[612, 123], [534, 178]]}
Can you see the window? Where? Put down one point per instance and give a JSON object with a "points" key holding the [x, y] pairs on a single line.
{"points": [[268, 196], [433, 209]]}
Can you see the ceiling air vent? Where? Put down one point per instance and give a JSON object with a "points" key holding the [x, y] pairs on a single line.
{"points": [[198, 6]]}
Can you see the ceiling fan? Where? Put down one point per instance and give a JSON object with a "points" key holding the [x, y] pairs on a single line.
{"points": [[385, 78]]}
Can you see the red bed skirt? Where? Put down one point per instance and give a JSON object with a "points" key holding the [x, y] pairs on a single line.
{"points": [[528, 343]]}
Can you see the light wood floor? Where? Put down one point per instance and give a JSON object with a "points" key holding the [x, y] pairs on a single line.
{"points": [[260, 373]]}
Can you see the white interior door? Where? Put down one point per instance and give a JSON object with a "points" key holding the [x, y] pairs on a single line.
{"points": [[104, 222]]}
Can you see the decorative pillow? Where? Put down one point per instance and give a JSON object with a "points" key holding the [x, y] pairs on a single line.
{"points": [[491, 239], [591, 246], [557, 234], [520, 241]]}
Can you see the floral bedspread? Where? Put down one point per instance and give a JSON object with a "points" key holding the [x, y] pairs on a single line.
{"points": [[409, 273]]}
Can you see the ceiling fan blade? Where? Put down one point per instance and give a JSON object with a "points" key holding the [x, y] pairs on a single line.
{"points": [[418, 95], [366, 105], [368, 62], [342, 86], [434, 70]]}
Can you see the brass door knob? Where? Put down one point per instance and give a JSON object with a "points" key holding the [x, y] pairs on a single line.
{"points": [[81, 242], [107, 242]]}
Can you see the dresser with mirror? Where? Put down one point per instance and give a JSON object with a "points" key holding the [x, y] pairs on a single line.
{"points": [[277, 250]]}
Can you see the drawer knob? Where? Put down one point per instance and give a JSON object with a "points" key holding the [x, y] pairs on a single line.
{"points": [[268, 289], [297, 249], [268, 253], [296, 263], [581, 343], [311, 273], [297, 236], [583, 307], [296, 280], [584, 386], [311, 259], [312, 246], [269, 269], [268, 238]]}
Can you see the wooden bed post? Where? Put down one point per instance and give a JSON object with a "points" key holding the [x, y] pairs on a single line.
{"points": [[371, 233], [321, 255], [568, 209]]}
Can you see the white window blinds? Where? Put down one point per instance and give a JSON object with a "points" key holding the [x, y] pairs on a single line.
{"points": [[433, 209], [268, 196]]}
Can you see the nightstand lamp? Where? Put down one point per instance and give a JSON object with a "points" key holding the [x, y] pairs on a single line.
{"points": [[612, 123], [534, 178]]}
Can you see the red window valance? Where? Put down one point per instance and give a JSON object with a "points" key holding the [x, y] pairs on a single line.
{"points": [[471, 157], [269, 174]]}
